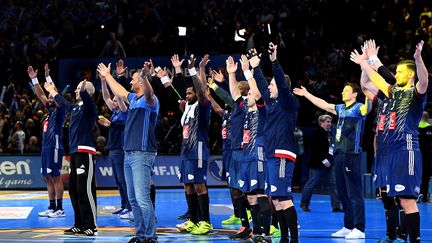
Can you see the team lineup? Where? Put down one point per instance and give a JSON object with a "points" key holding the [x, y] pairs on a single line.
{"points": [[259, 117]]}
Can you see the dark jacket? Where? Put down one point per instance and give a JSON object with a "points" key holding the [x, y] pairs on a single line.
{"points": [[320, 148]]}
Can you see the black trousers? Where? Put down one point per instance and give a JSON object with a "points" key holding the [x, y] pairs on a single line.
{"points": [[82, 190]]}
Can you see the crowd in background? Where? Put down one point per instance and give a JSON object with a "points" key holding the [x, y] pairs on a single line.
{"points": [[314, 36]]}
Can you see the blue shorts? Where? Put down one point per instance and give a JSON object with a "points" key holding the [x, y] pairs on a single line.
{"points": [[193, 171], [405, 173], [279, 176], [52, 159], [380, 174], [252, 176], [226, 161], [235, 168]]}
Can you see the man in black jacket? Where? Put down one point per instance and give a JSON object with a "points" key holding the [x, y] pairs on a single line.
{"points": [[320, 164]]}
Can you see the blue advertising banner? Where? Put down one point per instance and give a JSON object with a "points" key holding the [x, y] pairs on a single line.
{"points": [[72, 71], [165, 172], [23, 172], [20, 172]]}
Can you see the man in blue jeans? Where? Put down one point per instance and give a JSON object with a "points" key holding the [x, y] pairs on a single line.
{"points": [[321, 164], [140, 148]]}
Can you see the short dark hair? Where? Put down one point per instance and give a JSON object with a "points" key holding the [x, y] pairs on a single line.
{"points": [[355, 87], [190, 85]]}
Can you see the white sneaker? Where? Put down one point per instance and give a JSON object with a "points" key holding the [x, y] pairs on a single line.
{"points": [[129, 215], [45, 213], [57, 214], [355, 234], [341, 233]]}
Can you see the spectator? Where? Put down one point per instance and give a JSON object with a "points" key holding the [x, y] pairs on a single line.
{"points": [[16, 140], [113, 48]]}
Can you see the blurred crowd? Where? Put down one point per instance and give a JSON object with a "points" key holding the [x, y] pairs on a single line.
{"points": [[315, 38]]}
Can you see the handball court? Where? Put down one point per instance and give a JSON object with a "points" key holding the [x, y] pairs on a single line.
{"points": [[19, 220]]}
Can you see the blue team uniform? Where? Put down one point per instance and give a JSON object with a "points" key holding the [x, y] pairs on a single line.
{"points": [[281, 118], [226, 150], [405, 161], [52, 144], [195, 150], [252, 175], [380, 164], [236, 135], [348, 174]]}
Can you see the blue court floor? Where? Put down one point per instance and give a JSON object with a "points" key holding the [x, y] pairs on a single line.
{"points": [[316, 226]]}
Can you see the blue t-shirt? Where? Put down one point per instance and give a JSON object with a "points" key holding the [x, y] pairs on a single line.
{"points": [[139, 132], [116, 130], [381, 122], [349, 129]]}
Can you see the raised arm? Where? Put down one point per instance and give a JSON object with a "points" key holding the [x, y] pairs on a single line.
{"points": [[376, 79], [116, 88], [202, 67], [105, 93], [148, 89], [59, 99], [215, 106], [253, 88], [315, 100], [37, 88], [200, 86], [370, 94], [261, 81], [283, 85], [220, 92], [422, 72], [233, 85], [87, 100], [366, 107], [122, 105]]}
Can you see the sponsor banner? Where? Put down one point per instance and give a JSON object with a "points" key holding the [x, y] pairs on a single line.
{"points": [[20, 172], [23, 172], [72, 71], [165, 172]]}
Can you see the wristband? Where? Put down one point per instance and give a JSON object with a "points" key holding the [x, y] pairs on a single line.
{"points": [[248, 74], [48, 79], [192, 71], [373, 59], [214, 86], [165, 79], [35, 81]]}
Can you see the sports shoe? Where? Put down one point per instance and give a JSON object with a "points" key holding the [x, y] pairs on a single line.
{"points": [[57, 214], [355, 234], [203, 228], [71, 231], [231, 220], [119, 211], [242, 233], [341, 233], [184, 216], [305, 208], [128, 215], [45, 213], [337, 210], [275, 232], [135, 240], [258, 239], [87, 232], [186, 226]]}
